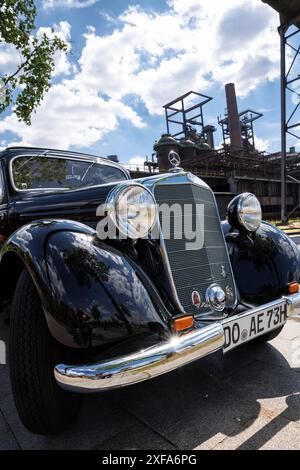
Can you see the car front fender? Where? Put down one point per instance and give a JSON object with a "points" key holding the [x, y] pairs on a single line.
{"points": [[264, 267], [91, 293]]}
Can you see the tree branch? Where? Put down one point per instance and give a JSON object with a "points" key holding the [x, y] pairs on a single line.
{"points": [[21, 66]]}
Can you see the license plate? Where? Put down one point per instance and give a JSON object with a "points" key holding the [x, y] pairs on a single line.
{"points": [[246, 327]]}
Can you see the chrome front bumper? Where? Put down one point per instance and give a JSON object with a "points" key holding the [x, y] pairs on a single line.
{"points": [[156, 360]]}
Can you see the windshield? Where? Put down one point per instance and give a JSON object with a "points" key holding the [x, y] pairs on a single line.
{"points": [[42, 172]]}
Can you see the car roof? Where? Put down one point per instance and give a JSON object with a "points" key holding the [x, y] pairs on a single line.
{"points": [[45, 150], [13, 151]]}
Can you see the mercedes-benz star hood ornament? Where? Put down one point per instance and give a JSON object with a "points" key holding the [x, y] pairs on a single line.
{"points": [[174, 160]]}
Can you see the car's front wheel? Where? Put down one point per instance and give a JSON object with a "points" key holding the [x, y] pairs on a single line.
{"points": [[43, 407]]}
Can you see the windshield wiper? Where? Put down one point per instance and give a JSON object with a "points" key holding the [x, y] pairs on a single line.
{"points": [[31, 158], [87, 170]]}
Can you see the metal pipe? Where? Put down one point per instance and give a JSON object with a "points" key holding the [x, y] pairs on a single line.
{"points": [[282, 30], [233, 120], [209, 132], [167, 121]]}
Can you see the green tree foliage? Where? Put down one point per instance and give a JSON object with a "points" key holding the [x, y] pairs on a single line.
{"points": [[26, 87]]}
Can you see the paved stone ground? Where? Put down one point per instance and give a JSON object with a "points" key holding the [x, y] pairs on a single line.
{"points": [[249, 399]]}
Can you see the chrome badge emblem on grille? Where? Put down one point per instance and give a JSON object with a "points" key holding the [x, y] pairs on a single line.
{"points": [[223, 272], [229, 293], [174, 159], [196, 299]]}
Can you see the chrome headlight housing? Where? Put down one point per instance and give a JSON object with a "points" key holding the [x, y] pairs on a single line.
{"points": [[132, 209], [244, 212]]}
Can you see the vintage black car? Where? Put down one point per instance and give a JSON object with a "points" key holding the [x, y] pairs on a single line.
{"points": [[91, 313]]}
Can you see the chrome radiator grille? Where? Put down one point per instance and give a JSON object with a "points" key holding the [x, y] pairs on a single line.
{"points": [[195, 270]]}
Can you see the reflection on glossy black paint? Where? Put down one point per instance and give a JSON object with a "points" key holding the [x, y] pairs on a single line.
{"points": [[84, 267], [149, 257], [262, 271], [97, 289]]}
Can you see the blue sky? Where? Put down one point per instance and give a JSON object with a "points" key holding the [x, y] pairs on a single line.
{"points": [[126, 59]]}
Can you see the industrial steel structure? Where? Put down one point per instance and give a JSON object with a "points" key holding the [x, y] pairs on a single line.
{"points": [[185, 113], [289, 30], [238, 165]]}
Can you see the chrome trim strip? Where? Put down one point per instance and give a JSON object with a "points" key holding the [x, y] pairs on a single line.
{"points": [[225, 244], [181, 177], [293, 303], [158, 359], [150, 183], [144, 365], [61, 156]]}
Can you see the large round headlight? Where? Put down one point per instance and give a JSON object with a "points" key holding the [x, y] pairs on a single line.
{"points": [[132, 209], [244, 212]]}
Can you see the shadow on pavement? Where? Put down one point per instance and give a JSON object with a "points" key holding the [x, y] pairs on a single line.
{"points": [[218, 396], [197, 406]]}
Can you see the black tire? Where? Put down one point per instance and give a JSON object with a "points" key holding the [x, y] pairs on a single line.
{"points": [[43, 407], [268, 336]]}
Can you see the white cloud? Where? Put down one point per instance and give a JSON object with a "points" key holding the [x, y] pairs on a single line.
{"points": [[262, 145], [9, 59], [63, 31], [70, 118], [155, 57], [191, 46], [68, 3], [137, 161], [187, 7]]}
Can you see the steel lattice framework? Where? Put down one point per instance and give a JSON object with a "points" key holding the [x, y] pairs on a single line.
{"points": [[290, 94], [289, 31]]}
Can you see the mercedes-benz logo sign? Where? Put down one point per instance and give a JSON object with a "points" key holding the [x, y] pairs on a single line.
{"points": [[174, 159]]}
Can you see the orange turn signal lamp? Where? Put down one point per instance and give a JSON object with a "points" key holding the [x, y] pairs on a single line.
{"points": [[293, 287], [183, 323]]}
